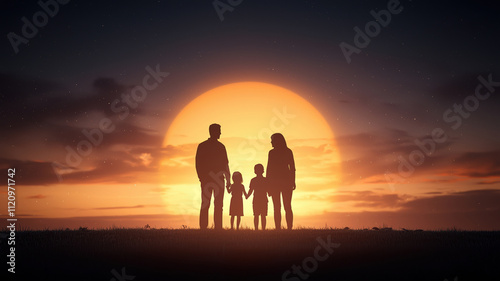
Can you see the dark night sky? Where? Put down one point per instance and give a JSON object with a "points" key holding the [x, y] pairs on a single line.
{"points": [[424, 61], [425, 55]]}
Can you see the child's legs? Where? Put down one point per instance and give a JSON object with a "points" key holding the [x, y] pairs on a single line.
{"points": [[232, 221], [256, 221], [238, 220], [263, 218]]}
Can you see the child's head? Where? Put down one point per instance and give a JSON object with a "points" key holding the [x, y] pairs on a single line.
{"points": [[237, 177], [258, 169]]}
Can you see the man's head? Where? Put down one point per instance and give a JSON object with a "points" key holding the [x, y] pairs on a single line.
{"points": [[214, 130]]}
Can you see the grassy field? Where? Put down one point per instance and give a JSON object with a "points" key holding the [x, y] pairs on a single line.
{"points": [[139, 254]]}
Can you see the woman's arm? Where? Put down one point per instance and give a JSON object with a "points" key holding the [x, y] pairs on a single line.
{"points": [[291, 165], [269, 165]]}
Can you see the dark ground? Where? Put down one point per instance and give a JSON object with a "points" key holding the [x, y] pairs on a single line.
{"points": [[249, 255]]}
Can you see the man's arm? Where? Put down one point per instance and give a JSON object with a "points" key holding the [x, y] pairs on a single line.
{"points": [[198, 162], [227, 173], [292, 169]]}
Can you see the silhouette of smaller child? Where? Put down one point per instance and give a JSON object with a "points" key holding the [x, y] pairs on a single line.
{"points": [[260, 186], [237, 190]]}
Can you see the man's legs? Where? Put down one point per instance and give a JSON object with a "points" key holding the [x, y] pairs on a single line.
{"points": [[218, 202], [287, 204], [206, 196]]}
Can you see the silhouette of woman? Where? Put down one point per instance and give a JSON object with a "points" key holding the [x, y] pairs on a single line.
{"points": [[281, 177]]}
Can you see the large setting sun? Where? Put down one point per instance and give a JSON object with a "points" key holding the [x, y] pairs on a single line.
{"points": [[249, 113]]}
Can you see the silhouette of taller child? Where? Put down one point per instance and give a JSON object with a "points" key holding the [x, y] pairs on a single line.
{"points": [[281, 178]]}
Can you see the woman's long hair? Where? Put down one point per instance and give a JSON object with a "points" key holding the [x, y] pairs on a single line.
{"points": [[279, 140]]}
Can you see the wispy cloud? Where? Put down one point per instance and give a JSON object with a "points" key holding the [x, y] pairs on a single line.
{"points": [[127, 207], [38, 196]]}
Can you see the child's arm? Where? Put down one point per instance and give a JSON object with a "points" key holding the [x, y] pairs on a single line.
{"points": [[244, 192], [250, 191]]}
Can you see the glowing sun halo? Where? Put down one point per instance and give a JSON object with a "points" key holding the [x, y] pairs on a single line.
{"points": [[249, 112]]}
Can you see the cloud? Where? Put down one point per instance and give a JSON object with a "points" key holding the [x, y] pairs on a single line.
{"points": [[464, 201], [45, 118], [114, 164], [369, 157], [107, 166], [479, 164], [457, 88], [27, 99], [38, 196], [126, 207], [488, 182], [113, 170], [369, 199], [33, 102], [124, 133], [459, 202], [146, 159], [46, 109], [31, 172], [468, 210]]}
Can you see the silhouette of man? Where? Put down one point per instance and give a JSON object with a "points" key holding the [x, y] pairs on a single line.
{"points": [[212, 167]]}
